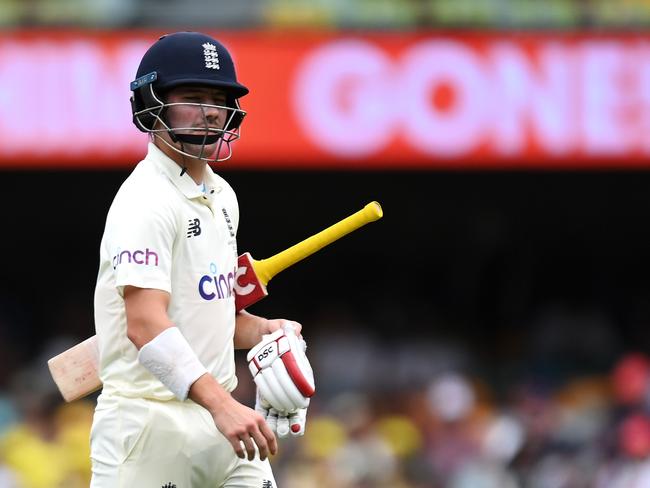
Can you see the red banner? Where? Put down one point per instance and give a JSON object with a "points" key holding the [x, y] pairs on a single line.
{"points": [[348, 100]]}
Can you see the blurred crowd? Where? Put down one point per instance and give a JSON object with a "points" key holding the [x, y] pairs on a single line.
{"points": [[426, 413], [383, 14]]}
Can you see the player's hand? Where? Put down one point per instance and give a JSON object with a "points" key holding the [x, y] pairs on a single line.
{"points": [[272, 325], [240, 424], [281, 370], [282, 423]]}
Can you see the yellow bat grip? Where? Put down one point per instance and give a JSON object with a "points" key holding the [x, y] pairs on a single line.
{"points": [[265, 269]]}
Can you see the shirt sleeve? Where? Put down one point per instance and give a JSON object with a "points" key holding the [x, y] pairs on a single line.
{"points": [[140, 247]]}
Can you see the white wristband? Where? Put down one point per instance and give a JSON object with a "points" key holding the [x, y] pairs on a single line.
{"points": [[170, 358]]}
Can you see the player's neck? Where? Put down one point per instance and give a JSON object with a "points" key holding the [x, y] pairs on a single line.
{"points": [[194, 167]]}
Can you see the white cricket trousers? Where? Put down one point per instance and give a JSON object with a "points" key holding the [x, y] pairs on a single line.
{"points": [[138, 443]]}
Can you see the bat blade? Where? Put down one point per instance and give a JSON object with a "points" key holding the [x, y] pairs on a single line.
{"points": [[75, 371]]}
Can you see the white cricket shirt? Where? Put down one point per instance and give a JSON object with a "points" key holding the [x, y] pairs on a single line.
{"points": [[163, 232]]}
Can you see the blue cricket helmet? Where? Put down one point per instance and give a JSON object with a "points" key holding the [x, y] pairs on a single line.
{"points": [[183, 58]]}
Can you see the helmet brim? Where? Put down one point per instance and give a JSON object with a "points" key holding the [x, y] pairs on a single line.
{"points": [[230, 87]]}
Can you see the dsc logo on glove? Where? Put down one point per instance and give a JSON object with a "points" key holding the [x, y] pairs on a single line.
{"points": [[270, 352]]}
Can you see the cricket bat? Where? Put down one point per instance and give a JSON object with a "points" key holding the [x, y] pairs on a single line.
{"points": [[75, 371]]}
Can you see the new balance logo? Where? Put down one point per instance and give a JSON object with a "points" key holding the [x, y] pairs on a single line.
{"points": [[194, 228], [169, 485], [267, 484]]}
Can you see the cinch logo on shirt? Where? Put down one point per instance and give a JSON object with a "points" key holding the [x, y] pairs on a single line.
{"points": [[217, 285], [138, 256]]}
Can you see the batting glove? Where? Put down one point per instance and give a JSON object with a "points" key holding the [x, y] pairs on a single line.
{"points": [[282, 423], [284, 379]]}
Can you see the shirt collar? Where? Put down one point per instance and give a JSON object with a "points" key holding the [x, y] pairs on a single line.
{"points": [[184, 183]]}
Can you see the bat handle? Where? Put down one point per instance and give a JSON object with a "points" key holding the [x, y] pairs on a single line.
{"points": [[268, 268]]}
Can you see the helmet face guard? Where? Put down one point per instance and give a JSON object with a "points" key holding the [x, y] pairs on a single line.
{"points": [[153, 120], [188, 59]]}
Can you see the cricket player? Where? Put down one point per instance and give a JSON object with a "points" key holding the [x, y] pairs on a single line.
{"points": [[164, 301]]}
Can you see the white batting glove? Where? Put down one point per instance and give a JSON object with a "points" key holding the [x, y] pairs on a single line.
{"points": [[284, 379], [282, 423]]}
